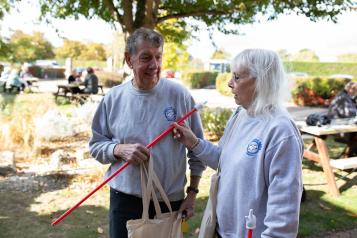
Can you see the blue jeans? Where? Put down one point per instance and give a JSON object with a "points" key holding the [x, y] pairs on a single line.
{"points": [[124, 207]]}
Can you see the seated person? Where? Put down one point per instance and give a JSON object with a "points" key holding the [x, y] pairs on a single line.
{"points": [[343, 105], [90, 82], [14, 80], [72, 77]]}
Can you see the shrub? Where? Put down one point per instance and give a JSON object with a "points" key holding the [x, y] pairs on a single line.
{"points": [[199, 79], [214, 121], [316, 91], [222, 84], [109, 79]]}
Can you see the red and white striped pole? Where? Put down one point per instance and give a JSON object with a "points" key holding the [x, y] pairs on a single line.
{"points": [[151, 144]]}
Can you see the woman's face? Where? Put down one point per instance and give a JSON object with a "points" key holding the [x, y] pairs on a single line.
{"points": [[243, 87]]}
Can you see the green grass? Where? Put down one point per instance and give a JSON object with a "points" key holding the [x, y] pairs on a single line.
{"points": [[29, 213]]}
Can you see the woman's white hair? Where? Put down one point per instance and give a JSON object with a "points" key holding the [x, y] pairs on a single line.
{"points": [[271, 86]]}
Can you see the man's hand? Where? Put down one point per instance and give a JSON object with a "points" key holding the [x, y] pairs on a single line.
{"points": [[188, 205], [132, 153]]}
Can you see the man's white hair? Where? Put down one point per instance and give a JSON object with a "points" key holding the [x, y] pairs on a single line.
{"points": [[267, 69]]}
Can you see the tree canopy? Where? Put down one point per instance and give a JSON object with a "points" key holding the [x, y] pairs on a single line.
{"points": [[78, 50], [224, 15], [305, 55], [22, 47]]}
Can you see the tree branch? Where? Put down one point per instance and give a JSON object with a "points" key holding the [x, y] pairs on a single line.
{"points": [[114, 11], [128, 21], [192, 14]]}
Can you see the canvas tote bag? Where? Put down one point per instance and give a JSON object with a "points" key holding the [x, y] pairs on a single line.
{"points": [[209, 219], [164, 225]]}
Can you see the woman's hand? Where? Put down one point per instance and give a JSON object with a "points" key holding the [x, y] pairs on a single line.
{"points": [[183, 134]]}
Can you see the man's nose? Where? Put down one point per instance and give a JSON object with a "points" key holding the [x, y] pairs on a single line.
{"points": [[154, 63]]}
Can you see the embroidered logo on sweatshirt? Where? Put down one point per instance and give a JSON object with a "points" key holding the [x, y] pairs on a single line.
{"points": [[170, 114], [254, 147]]}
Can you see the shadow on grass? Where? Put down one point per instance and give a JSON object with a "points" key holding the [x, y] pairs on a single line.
{"points": [[23, 214], [317, 216]]}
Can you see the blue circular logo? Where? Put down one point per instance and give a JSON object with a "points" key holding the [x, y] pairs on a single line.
{"points": [[254, 147], [170, 114]]}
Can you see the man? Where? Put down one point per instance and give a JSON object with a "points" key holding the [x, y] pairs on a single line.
{"points": [[343, 105], [91, 82], [128, 118]]}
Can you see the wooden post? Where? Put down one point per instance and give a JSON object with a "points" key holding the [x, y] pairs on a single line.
{"points": [[325, 161]]}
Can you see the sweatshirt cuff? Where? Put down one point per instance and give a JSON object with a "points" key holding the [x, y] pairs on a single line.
{"points": [[110, 153], [198, 148]]}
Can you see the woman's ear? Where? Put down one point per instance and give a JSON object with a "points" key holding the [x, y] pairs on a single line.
{"points": [[128, 59]]}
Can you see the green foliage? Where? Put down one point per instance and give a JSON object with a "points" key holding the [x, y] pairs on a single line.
{"points": [[4, 7], [78, 50], [305, 55], [23, 47], [316, 91], [214, 121], [175, 56], [348, 57], [322, 69], [109, 79], [284, 55], [71, 49], [222, 83], [199, 79], [226, 16], [220, 54]]}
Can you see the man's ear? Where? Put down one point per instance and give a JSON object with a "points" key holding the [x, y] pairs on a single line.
{"points": [[128, 59]]}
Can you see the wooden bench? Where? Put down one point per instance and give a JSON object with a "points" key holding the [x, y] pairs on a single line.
{"points": [[320, 135], [343, 164]]}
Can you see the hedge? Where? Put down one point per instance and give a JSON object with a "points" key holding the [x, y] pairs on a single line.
{"points": [[199, 79], [222, 84], [214, 121], [316, 91], [109, 79], [322, 69]]}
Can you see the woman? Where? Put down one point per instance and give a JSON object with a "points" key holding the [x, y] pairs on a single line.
{"points": [[259, 154]]}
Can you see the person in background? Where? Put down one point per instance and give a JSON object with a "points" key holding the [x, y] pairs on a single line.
{"points": [[72, 77], [14, 81], [259, 154], [344, 105], [129, 117], [90, 82]]}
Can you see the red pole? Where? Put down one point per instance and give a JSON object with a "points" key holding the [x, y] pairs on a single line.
{"points": [[151, 144], [250, 233]]}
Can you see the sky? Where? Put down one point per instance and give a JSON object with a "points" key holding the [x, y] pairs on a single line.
{"points": [[289, 32]]}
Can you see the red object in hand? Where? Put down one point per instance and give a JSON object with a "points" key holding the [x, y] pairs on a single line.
{"points": [[151, 144], [250, 233]]}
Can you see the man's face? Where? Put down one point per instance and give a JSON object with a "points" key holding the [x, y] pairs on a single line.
{"points": [[146, 65], [353, 90]]}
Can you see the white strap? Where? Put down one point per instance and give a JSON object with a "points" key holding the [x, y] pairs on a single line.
{"points": [[229, 135], [149, 181]]}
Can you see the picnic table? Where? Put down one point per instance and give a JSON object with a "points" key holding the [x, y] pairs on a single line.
{"points": [[71, 91], [320, 134]]}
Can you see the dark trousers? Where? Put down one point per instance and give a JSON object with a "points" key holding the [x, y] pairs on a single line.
{"points": [[124, 207]]}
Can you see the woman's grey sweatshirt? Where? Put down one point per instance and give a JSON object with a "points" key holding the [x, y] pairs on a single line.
{"points": [[260, 170]]}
